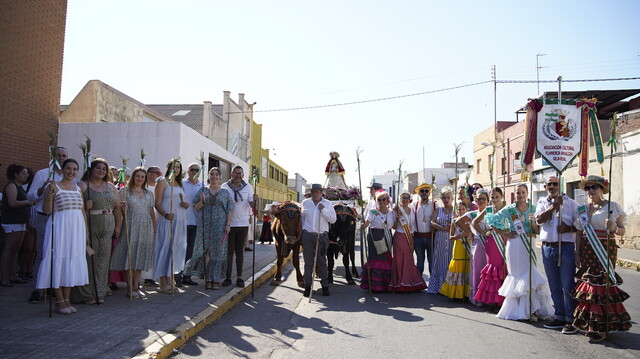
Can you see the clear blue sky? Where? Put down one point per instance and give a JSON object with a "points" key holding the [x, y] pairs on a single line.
{"points": [[287, 54]]}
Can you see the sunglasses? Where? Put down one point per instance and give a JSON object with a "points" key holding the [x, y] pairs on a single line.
{"points": [[193, 170], [589, 187], [552, 184], [424, 191], [406, 198], [382, 199]]}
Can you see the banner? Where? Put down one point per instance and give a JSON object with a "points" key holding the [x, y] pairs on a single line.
{"points": [[558, 134]]}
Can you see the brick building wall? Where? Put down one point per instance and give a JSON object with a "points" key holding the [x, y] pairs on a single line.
{"points": [[32, 45]]}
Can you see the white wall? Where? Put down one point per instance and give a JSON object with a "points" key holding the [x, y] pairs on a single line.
{"points": [[162, 141], [630, 142]]}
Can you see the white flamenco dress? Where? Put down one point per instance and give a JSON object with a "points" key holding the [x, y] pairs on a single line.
{"points": [[517, 305]]}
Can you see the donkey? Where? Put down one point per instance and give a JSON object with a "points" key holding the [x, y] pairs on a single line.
{"points": [[286, 229], [342, 239]]}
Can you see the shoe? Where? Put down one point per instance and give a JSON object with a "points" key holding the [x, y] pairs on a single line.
{"points": [[35, 296], [307, 291], [150, 283], [90, 301], [569, 329], [188, 281], [101, 300], [226, 282], [6, 284], [65, 310], [325, 291], [140, 294], [240, 283], [555, 324], [113, 286], [109, 293], [595, 337], [132, 295], [72, 309], [178, 284], [248, 249], [215, 286], [17, 281], [178, 278]]}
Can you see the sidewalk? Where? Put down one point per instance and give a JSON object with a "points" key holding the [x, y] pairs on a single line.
{"points": [[120, 327]]}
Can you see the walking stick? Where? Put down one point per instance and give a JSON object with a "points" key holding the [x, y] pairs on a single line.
{"points": [[612, 144], [315, 257], [86, 154], [363, 239], [204, 250], [254, 177], [123, 177], [171, 179], [51, 260], [561, 191], [93, 263], [530, 246]]}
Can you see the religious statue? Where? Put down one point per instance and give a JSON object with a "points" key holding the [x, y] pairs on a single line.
{"points": [[334, 172]]}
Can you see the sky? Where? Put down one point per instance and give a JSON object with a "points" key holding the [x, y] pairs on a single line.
{"points": [[293, 54]]}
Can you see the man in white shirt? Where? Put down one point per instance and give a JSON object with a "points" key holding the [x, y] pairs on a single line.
{"points": [[423, 238], [191, 187], [375, 186], [561, 278], [245, 202], [317, 215], [41, 180]]}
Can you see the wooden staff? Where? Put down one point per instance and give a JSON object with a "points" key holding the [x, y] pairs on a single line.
{"points": [[204, 251], [363, 240], [93, 262], [254, 178], [123, 176], [315, 258], [612, 145], [530, 246], [171, 179]]}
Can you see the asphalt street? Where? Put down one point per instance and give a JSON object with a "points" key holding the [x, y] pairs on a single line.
{"points": [[280, 323]]}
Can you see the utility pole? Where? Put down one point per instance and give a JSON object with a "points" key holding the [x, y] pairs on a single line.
{"points": [[538, 67]]}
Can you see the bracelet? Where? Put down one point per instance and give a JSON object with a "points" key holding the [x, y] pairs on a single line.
{"points": [[165, 216]]}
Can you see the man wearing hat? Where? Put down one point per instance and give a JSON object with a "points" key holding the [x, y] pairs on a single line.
{"points": [[375, 186], [561, 278], [317, 214], [423, 239]]}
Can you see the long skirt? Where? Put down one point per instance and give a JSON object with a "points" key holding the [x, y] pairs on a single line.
{"points": [[377, 271], [405, 274], [591, 293], [456, 283], [478, 261], [442, 248], [492, 275]]}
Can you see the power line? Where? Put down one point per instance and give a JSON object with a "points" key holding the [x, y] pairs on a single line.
{"points": [[374, 100], [435, 91]]}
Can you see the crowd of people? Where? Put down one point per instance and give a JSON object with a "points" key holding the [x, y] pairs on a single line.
{"points": [[79, 237], [481, 249]]}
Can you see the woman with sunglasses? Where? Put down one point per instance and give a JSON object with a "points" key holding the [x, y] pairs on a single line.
{"points": [[376, 273], [442, 245], [405, 276], [493, 274], [590, 314], [518, 283]]}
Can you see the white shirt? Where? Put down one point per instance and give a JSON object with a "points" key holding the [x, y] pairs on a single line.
{"points": [[38, 180], [409, 219], [378, 219], [242, 211], [549, 229], [190, 191], [423, 213], [310, 212]]}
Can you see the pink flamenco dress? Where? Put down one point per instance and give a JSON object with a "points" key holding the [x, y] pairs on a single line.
{"points": [[494, 272]]}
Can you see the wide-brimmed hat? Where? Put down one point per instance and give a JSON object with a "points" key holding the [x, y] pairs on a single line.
{"points": [[421, 186], [601, 181], [375, 185], [316, 186]]}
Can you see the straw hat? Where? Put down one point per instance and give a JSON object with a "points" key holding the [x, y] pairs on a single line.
{"points": [[593, 179], [423, 185]]}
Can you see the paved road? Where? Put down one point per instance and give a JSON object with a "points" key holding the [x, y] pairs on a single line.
{"points": [[280, 323]]}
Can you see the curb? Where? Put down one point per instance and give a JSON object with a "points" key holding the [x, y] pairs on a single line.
{"points": [[165, 346]]}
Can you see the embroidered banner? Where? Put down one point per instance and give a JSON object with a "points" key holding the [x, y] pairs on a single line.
{"points": [[558, 134]]}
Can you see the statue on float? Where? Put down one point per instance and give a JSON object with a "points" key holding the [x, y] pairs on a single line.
{"points": [[334, 172]]}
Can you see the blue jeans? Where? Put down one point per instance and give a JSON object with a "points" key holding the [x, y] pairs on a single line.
{"points": [[561, 279], [420, 246]]}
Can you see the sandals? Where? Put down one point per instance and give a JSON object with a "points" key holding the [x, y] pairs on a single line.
{"points": [[65, 310], [208, 285], [72, 309]]}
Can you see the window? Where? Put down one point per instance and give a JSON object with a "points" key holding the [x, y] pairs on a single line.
{"points": [[478, 165], [504, 165]]}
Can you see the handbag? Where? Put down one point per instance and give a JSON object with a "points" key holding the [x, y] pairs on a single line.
{"points": [[381, 246]]}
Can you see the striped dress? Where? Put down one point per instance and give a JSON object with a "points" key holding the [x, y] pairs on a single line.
{"points": [[442, 248]]}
